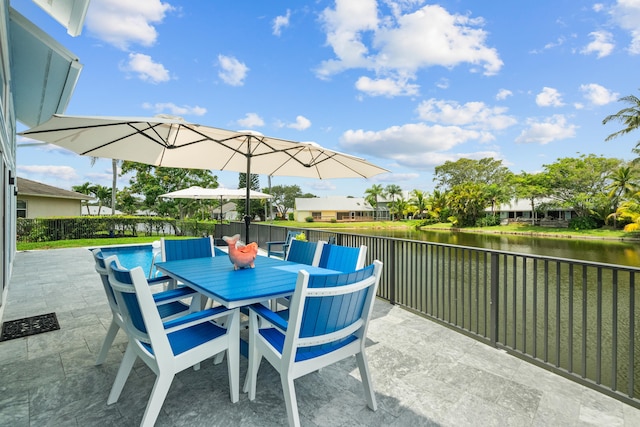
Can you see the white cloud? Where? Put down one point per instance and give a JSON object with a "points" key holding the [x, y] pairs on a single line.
{"points": [[598, 7], [475, 115], [408, 142], [442, 83], [146, 69], [602, 44], [281, 22], [385, 87], [173, 109], [322, 185], [626, 13], [301, 123], [503, 94], [432, 36], [125, 22], [251, 120], [598, 95], [232, 71], [549, 97], [345, 26], [551, 129], [66, 173], [397, 46], [395, 177]]}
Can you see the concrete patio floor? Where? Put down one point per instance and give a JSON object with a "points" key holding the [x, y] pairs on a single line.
{"points": [[424, 374]]}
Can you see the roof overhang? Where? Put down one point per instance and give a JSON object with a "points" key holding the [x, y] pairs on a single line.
{"points": [[69, 13], [43, 72]]}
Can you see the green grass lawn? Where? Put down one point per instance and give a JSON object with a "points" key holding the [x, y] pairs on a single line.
{"points": [[601, 233]]}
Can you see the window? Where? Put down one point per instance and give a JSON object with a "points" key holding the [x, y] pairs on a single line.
{"points": [[22, 208], [316, 215]]}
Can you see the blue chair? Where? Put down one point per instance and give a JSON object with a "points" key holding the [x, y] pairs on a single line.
{"points": [[328, 321], [201, 247], [279, 249], [303, 252], [342, 258], [168, 303], [177, 249], [170, 347]]}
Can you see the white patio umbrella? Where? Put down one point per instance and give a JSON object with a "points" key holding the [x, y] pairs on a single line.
{"points": [[173, 142], [200, 193]]}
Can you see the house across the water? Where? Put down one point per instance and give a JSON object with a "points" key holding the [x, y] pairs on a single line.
{"points": [[338, 208]]}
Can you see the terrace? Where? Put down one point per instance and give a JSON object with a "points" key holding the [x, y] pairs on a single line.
{"points": [[423, 373]]}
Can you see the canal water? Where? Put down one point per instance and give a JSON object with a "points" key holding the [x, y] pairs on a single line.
{"points": [[590, 336], [596, 250]]}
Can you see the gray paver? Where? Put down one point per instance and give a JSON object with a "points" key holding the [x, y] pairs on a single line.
{"points": [[424, 374]]}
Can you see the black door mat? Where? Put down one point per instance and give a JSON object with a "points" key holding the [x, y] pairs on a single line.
{"points": [[29, 326]]}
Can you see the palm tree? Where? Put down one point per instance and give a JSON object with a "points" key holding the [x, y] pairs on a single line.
{"points": [[86, 188], [114, 181], [372, 194], [401, 206], [630, 212], [419, 202], [623, 183], [496, 195], [437, 205], [393, 190], [629, 116], [103, 194]]}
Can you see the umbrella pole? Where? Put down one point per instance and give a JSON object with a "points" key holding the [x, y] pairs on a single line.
{"points": [[247, 210]]}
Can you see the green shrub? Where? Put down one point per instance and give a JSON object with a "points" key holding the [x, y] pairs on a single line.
{"points": [[333, 220], [488, 221], [309, 219], [584, 223]]}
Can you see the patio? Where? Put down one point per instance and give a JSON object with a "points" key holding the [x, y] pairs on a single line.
{"points": [[423, 373]]}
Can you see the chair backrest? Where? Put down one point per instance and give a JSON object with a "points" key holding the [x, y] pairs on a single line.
{"points": [[328, 312], [173, 250], [141, 317], [343, 258], [290, 236], [101, 269], [304, 252]]}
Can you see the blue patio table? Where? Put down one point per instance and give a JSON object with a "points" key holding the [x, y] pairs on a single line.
{"points": [[215, 278]]}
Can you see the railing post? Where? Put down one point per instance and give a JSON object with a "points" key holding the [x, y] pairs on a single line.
{"points": [[392, 271], [494, 299]]}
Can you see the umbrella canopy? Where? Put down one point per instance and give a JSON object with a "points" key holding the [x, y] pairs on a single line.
{"points": [[196, 192], [199, 193], [173, 142]]}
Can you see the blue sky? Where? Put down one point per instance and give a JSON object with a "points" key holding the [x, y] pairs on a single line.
{"points": [[406, 84]]}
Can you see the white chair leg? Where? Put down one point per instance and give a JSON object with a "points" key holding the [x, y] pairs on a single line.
{"points": [[290, 401], [254, 359], [123, 373], [363, 365], [158, 395], [108, 342], [218, 358], [252, 371], [233, 354]]}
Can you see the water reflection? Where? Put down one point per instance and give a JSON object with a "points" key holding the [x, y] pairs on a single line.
{"points": [[606, 251]]}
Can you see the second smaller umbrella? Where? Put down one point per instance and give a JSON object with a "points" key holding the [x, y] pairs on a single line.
{"points": [[200, 193]]}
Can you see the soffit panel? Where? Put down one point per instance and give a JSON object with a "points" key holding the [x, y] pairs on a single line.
{"points": [[44, 73]]}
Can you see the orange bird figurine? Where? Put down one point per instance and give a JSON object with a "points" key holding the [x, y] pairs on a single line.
{"points": [[241, 256]]}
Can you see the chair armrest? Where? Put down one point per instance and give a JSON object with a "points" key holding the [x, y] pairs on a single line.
{"points": [[196, 318], [269, 316], [158, 280], [173, 295], [269, 244]]}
